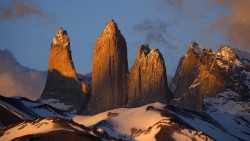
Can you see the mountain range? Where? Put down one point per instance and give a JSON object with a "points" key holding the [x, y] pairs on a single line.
{"points": [[207, 99]]}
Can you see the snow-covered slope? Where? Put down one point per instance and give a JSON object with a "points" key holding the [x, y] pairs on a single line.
{"points": [[158, 122], [20, 109], [151, 122], [50, 128], [227, 102]]}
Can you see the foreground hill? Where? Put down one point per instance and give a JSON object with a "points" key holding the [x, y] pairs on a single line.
{"points": [[160, 122], [23, 119], [50, 128], [17, 109]]}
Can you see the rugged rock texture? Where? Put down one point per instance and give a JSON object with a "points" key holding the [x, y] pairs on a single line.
{"points": [[62, 85], [202, 73], [109, 71], [147, 79]]}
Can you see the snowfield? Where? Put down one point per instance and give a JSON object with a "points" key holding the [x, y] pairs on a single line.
{"points": [[225, 119], [148, 123]]}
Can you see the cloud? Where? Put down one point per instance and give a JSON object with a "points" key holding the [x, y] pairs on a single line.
{"points": [[17, 80], [237, 24], [175, 3], [23, 8], [156, 31]]}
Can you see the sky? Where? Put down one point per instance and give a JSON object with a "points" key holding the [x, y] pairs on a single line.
{"points": [[27, 27]]}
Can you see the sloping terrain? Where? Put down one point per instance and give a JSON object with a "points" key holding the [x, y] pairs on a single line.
{"points": [[50, 128], [159, 122], [17, 109]]}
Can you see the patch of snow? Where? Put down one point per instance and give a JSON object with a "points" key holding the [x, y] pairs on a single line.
{"points": [[236, 125], [220, 126], [227, 102], [137, 118], [238, 63], [148, 136], [16, 111], [226, 53], [12, 111], [214, 128], [194, 85], [247, 80], [30, 110], [196, 48], [90, 120], [244, 57], [222, 65], [100, 130], [76, 127], [55, 103]]}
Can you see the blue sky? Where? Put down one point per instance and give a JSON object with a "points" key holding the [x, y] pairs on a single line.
{"points": [[169, 25]]}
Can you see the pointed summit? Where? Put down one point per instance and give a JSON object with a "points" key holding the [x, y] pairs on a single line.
{"points": [[111, 28], [196, 48], [109, 71], [61, 38], [62, 85]]}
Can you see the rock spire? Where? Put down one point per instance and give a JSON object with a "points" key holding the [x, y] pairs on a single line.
{"points": [[109, 71], [62, 86], [147, 79]]}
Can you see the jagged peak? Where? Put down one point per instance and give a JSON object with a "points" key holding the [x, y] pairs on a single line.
{"points": [[225, 48], [111, 28], [145, 52], [226, 53], [155, 51], [61, 38], [197, 48]]}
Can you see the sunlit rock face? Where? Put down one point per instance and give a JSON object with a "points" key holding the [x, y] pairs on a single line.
{"points": [[109, 71], [62, 88], [202, 73], [147, 79]]}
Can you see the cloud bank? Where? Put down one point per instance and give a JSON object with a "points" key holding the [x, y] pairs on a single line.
{"points": [[237, 24], [16, 80], [23, 8]]}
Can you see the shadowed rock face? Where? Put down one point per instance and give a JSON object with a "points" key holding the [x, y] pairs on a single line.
{"points": [[147, 79], [109, 71], [62, 83], [202, 73]]}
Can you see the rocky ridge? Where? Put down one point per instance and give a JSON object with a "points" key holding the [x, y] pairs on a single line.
{"points": [[202, 73]]}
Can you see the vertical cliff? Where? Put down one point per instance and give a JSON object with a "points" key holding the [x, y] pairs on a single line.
{"points": [[147, 79], [109, 70]]}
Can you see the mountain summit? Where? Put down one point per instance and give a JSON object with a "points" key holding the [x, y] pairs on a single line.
{"points": [[109, 70], [202, 74], [148, 78], [62, 88]]}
